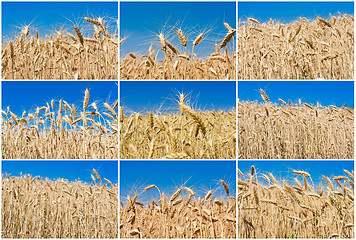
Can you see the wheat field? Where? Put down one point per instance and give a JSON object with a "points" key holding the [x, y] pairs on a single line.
{"points": [[33, 207], [60, 130], [180, 61], [303, 49], [294, 130], [65, 54], [281, 209], [187, 134], [182, 215]]}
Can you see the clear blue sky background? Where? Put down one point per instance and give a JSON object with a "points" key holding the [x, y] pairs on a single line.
{"points": [[168, 176], [28, 95], [143, 96], [325, 92], [71, 170], [142, 21], [289, 11], [48, 16], [284, 169]]}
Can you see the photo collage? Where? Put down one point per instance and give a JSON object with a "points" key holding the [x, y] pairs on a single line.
{"points": [[177, 119]]}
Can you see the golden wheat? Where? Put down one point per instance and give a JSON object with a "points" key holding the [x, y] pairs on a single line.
{"points": [[42, 208], [320, 49], [61, 134], [177, 65], [188, 134], [294, 131], [62, 55], [180, 216], [285, 211]]}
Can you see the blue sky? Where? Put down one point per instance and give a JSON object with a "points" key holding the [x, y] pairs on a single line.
{"points": [[48, 16], [143, 96], [168, 176], [284, 169], [27, 95], [325, 92], [71, 170], [142, 21], [289, 11]]}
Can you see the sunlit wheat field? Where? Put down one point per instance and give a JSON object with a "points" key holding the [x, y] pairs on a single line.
{"points": [[288, 130], [179, 62], [185, 134], [320, 48], [294, 206], [184, 40], [62, 130], [180, 215], [36, 207], [84, 48]]}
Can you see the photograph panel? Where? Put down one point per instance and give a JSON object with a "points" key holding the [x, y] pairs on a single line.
{"points": [[296, 40], [178, 199], [59, 40], [177, 40], [59, 199], [178, 120], [295, 199], [59, 120], [296, 120]]}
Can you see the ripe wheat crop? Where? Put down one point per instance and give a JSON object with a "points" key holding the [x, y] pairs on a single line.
{"points": [[65, 54], [181, 63], [280, 209], [33, 207], [183, 215], [294, 130], [188, 134], [60, 130], [318, 49]]}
